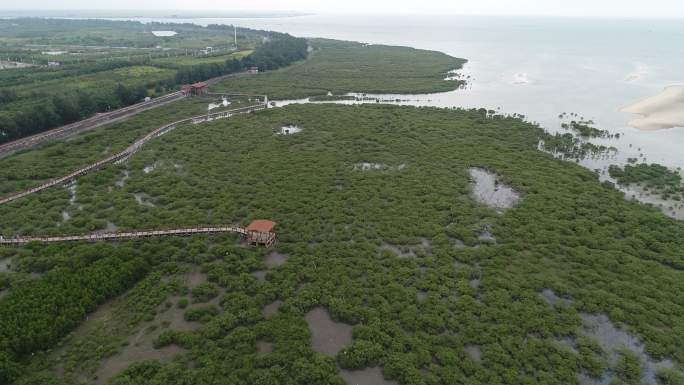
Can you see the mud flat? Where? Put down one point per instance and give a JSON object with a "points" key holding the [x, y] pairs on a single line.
{"points": [[489, 191], [665, 110], [368, 376], [327, 336]]}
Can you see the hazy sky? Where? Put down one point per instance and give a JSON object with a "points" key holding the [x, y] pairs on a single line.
{"points": [[597, 8]]}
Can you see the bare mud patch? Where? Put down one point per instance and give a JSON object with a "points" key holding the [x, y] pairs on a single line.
{"points": [[5, 265], [327, 336], [368, 376], [272, 308], [122, 182], [474, 352], [264, 348], [401, 252], [275, 259], [143, 199], [408, 251], [488, 190], [195, 278], [260, 275], [109, 228], [373, 166], [152, 167], [486, 236], [552, 299], [289, 129], [569, 343], [72, 191], [135, 352]]}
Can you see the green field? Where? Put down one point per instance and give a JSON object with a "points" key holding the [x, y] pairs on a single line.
{"points": [[173, 62], [569, 234], [341, 67]]}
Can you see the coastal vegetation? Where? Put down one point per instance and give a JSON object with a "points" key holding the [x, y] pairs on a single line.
{"points": [[651, 177], [339, 67], [458, 309]]}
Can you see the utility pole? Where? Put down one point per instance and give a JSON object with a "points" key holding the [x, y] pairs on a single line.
{"points": [[235, 32]]}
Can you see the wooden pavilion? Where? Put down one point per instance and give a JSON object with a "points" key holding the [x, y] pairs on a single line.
{"points": [[260, 233]]}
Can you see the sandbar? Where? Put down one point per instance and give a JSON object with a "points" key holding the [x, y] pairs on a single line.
{"points": [[662, 111]]}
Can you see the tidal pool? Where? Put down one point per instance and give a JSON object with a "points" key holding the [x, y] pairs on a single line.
{"points": [[489, 191], [612, 340], [327, 336], [289, 129], [368, 376]]}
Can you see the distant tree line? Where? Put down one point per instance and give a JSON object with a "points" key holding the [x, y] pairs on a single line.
{"points": [[270, 55], [43, 112]]}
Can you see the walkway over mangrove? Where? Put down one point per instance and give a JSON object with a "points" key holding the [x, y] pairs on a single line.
{"points": [[132, 149], [125, 235]]}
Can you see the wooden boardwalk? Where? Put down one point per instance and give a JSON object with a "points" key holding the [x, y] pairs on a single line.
{"points": [[132, 149], [124, 235]]}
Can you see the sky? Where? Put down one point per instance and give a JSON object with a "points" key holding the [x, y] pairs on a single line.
{"points": [[583, 8]]}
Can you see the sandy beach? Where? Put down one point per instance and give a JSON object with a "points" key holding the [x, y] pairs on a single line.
{"points": [[665, 110]]}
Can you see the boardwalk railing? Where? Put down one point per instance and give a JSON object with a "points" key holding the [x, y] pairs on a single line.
{"points": [[132, 149], [124, 235]]}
